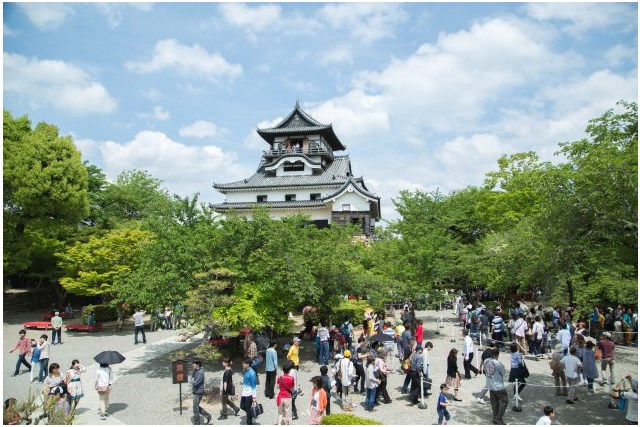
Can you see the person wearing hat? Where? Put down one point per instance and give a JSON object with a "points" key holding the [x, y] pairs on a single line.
{"points": [[607, 347], [23, 345], [61, 407], [56, 324], [294, 351], [345, 372], [557, 370]]}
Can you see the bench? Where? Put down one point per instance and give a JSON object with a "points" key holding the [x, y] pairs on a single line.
{"points": [[84, 328], [37, 325]]}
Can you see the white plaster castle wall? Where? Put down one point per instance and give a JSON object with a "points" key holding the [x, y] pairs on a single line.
{"points": [[277, 195], [357, 202]]}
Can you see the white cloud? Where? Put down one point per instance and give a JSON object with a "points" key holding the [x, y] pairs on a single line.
{"points": [[254, 19], [144, 7], [264, 68], [586, 16], [200, 129], [46, 16], [152, 93], [112, 13], [253, 141], [8, 31], [158, 113], [188, 60], [181, 167], [620, 54], [367, 22], [57, 83], [337, 55], [267, 18]]}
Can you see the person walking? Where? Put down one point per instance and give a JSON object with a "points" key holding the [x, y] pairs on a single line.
{"points": [[607, 347], [227, 389], [557, 370], [497, 329], [564, 337], [486, 354], [167, 318], [494, 372], [323, 336], [286, 384], [270, 369], [358, 357], [383, 372], [589, 367], [197, 391], [536, 336], [345, 371], [138, 326], [34, 373], [296, 391], [44, 347], [419, 333], [468, 349], [520, 328], [371, 383], [54, 379], [318, 403], [517, 371], [416, 369], [441, 407], [23, 345], [326, 384], [294, 351], [104, 380], [74, 383], [56, 324], [453, 374], [572, 367], [248, 389]]}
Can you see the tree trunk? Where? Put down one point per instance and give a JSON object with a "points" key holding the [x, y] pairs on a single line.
{"points": [[120, 320], [61, 293]]}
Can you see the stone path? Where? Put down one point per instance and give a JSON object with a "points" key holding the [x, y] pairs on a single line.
{"points": [[143, 392]]}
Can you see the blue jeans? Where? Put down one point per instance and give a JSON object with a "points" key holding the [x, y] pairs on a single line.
{"points": [[371, 398], [324, 352], [443, 413], [44, 369], [22, 360]]}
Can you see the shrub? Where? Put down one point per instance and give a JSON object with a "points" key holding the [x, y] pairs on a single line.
{"points": [[102, 312], [353, 310], [347, 419]]}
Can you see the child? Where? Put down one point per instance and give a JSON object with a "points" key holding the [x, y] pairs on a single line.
{"points": [[61, 407], [545, 420], [442, 405], [589, 368], [326, 384]]}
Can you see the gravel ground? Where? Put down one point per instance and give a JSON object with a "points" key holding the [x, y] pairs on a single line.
{"points": [[143, 392]]}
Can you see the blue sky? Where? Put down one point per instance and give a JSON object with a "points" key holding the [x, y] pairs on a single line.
{"points": [[424, 95]]}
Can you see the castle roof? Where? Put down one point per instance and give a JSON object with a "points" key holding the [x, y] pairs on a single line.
{"points": [[299, 123]]}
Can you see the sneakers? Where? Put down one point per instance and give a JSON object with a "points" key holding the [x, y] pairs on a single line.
{"points": [[102, 417], [209, 419], [570, 402], [222, 417], [480, 400], [236, 412]]}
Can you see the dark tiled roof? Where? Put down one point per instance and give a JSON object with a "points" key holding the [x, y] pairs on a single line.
{"points": [[300, 123], [336, 174], [276, 205], [358, 184]]}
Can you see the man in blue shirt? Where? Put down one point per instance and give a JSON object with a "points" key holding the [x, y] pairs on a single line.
{"points": [[270, 368], [197, 390], [248, 388]]}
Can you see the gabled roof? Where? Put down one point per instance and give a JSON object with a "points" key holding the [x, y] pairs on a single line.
{"points": [[357, 184], [335, 174], [299, 123]]}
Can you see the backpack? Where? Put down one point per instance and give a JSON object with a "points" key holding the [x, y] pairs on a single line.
{"points": [[344, 329]]}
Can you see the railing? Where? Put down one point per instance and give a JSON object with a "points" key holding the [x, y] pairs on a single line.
{"points": [[307, 151]]}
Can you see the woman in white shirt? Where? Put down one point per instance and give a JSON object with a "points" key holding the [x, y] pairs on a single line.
{"points": [[104, 379]]}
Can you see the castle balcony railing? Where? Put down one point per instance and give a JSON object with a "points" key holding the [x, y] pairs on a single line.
{"points": [[310, 151]]}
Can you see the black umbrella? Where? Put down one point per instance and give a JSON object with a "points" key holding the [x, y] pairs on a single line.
{"points": [[380, 337], [109, 357]]}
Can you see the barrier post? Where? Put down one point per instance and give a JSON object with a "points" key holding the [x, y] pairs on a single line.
{"points": [[422, 405], [516, 397], [452, 338]]}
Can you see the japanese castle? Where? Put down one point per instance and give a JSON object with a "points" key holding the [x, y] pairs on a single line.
{"points": [[300, 173]]}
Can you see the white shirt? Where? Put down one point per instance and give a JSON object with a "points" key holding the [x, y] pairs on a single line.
{"points": [[137, 318], [538, 329], [521, 327], [44, 350], [104, 377], [632, 406], [564, 337], [571, 365], [544, 420], [467, 347], [347, 370]]}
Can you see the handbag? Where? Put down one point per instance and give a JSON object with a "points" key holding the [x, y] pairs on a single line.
{"points": [[102, 389], [256, 361], [525, 370], [256, 410]]}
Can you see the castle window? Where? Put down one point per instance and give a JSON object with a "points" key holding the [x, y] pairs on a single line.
{"points": [[261, 198], [346, 208], [290, 197], [315, 196], [294, 167]]}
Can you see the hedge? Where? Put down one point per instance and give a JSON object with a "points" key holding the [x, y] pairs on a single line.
{"points": [[347, 419], [102, 312], [352, 309]]}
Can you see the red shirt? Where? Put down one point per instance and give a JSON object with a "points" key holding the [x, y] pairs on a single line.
{"points": [[419, 334], [23, 345], [607, 347], [286, 383]]}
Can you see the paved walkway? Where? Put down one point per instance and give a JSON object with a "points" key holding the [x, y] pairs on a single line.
{"points": [[144, 394]]}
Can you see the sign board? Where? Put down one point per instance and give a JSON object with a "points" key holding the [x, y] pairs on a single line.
{"points": [[179, 370]]}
